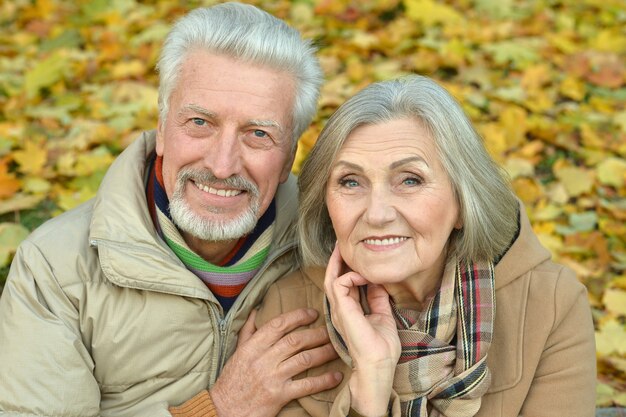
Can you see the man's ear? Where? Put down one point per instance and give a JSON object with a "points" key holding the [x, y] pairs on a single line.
{"points": [[160, 140], [288, 165]]}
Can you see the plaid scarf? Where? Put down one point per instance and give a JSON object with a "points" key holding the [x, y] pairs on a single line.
{"points": [[442, 369], [227, 280]]}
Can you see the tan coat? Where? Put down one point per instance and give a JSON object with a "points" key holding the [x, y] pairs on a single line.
{"points": [[542, 357], [99, 316]]}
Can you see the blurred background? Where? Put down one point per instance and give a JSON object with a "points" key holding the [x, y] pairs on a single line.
{"points": [[544, 82]]}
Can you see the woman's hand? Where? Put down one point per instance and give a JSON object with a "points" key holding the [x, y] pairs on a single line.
{"points": [[372, 339]]}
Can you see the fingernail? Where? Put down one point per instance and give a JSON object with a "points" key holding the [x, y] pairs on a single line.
{"points": [[311, 312], [338, 376]]}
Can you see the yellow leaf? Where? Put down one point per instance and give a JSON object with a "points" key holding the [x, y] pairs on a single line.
{"points": [[527, 189], [68, 199], [611, 338], [615, 301], [430, 13], [553, 243], [619, 282], [495, 141], [563, 42], [604, 395], [576, 180], [573, 88], [590, 138], [126, 69], [620, 120], [513, 120], [455, 52], [546, 212], [518, 167], [612, 171], [556, 193], [540, 101], [19, 202], [32, 158], [8, 183], [88, 163], [355, 68], [386, 69], [609, 40], [35, 185], [536, 76]]}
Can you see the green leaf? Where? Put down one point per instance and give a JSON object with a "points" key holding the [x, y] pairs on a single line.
{"points": [[45, 74], [11, 235]]}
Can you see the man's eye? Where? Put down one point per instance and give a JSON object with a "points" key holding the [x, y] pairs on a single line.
{"points": [[198, 121], [259, 133]]}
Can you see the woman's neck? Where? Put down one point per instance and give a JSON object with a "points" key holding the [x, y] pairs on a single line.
{"points": [[415, 292]]}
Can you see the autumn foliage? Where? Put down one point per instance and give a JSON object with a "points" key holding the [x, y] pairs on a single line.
{"points": [[544, 81]]}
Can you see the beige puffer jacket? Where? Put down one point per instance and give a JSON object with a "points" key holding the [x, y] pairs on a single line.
{"points": [[99, 317]]}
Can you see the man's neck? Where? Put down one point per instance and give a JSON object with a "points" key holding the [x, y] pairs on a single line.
{"points": [[213, 252]]}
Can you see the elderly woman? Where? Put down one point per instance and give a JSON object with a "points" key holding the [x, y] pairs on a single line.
{"points": [[438, 297]]}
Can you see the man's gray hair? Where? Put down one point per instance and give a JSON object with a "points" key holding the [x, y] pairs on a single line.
{"points": [[488, 206], [246, 33]]}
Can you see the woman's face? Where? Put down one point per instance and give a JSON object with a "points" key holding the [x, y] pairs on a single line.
{"points": [[391, 203]]}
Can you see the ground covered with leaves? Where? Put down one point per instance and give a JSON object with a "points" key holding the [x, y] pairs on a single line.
{"points": [[544, 82]]}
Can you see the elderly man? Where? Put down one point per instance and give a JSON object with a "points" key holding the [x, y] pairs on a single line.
{"points": [[132, 303]]}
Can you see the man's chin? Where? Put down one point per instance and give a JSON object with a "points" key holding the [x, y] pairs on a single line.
{"points": [[212, 230]]}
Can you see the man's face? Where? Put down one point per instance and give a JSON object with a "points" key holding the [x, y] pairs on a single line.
{"points": [[226, 144]]}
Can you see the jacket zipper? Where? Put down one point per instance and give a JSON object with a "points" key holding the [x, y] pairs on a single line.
{"points": [[224, 323]]}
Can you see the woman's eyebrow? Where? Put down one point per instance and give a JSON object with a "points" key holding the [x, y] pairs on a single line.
{"points": [[349, 165], [408, 160]]}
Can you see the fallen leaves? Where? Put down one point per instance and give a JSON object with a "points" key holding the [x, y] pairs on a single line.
{"points": [[544, 83]]}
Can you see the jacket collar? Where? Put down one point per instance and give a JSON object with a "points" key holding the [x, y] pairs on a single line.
{"points": [[131, 252], [525, 253]]}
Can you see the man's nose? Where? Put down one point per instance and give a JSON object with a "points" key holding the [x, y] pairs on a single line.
{"points": [[224, 155]]}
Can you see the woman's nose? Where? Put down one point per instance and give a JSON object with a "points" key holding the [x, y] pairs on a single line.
{"points": [[379, 208]]}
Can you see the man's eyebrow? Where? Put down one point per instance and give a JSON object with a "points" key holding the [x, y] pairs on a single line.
{"points": [[266, 123], [197, 109]]}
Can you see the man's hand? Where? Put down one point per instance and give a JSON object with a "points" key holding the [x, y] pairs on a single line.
{"points": [[257, 379]]}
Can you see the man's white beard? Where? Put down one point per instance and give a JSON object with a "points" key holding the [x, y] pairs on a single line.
{"points": [[213, 230]]}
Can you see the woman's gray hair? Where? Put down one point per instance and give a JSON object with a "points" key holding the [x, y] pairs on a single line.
{"points": [[249, 34], [488, 206]]}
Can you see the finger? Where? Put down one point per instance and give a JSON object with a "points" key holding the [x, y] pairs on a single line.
{"points": [[307, 359], [274, 330], [299, 388], [346, 282], [378, 300], [248, 329], [295, 342]]}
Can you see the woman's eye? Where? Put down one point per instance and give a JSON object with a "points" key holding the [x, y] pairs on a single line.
{"points": [[198, 121], [411, 181], [348, 182]]}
